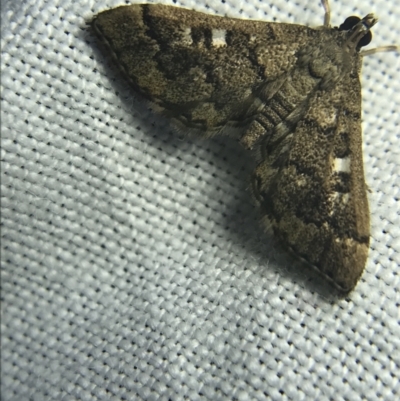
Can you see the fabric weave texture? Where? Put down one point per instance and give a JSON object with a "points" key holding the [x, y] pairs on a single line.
{"points": [[134, 264]]}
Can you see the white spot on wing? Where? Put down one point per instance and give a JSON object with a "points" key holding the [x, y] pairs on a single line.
{"points": [[345, 198], [218, 37], [187, 36], [342, 165]]}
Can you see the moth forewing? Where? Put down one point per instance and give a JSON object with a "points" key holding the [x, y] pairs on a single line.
{"points": [[203, 71], [313, 189], [293, 94]]}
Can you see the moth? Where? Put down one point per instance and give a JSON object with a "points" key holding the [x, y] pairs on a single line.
{"points": [[290, 93]]}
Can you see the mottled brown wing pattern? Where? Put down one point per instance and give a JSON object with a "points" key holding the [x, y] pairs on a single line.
{"points": [[312, 189], [294, 95], [199, 70]]}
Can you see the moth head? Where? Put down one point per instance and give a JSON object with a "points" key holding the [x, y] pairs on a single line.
{"points": [[358, 31]]}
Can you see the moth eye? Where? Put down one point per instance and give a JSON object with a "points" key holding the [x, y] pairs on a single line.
{"points": [[365, 40], [349, 23], [352, 21]]}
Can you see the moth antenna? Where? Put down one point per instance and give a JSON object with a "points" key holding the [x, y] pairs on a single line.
{"points": [[327, 9], [388, 48]]}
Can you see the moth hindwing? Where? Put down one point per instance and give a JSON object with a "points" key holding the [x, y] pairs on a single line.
{"points": [[292, 93]]}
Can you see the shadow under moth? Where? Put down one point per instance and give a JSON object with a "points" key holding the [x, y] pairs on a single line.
{"points": [[289, 92]]}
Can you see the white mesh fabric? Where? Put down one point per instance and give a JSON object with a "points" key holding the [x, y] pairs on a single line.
{"points": [[133, 262]]}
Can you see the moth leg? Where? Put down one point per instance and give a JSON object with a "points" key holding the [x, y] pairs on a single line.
{"points": [[380, 49], [327, 9]]}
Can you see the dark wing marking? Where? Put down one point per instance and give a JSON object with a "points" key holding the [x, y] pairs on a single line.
{"points": [[200, 70], [311, 187]]}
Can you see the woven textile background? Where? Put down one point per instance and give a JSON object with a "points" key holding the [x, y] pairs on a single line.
{"points": [[133, 262]]}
